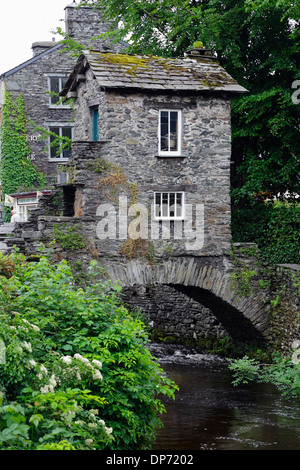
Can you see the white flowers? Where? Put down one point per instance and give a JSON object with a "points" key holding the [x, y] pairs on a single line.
{"points": [[32, 362], [43, 370], [50, 386], [67, 368], [66, 359], [27, 346], [97, 375], [52, 381], [95, 365], [34, 327], [78, 356], [94, 425]]}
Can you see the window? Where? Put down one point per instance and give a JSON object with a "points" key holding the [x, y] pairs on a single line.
{"points": [[23, 213], [24, 205], [169, 206], [59, 142], [170, 132], [56, 84]]}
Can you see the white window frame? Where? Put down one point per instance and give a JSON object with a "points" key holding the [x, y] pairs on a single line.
{"points": [[170, 153], [23, 207], [165, 214], [60, 77], [60, 125], [23, 213]]}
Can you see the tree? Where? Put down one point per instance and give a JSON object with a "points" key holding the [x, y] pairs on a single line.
{"points": [[257, 41]]}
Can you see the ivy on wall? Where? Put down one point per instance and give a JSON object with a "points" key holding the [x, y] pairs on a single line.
{"points": [[16, 170]]}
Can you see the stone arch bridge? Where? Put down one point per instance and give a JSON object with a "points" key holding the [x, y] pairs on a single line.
{"points": [[191, 298], [203, 291]]}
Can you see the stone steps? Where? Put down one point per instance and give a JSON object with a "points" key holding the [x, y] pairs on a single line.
{"points": [[6, 232]]}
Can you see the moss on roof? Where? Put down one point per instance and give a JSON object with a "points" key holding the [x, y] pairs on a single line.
{"points": [[113, 70]]}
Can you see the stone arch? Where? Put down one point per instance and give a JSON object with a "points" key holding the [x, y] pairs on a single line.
{"points": [[213, 276]]}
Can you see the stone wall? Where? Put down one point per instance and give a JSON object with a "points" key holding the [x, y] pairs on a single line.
{"points": [[32, 82], [176, 317], [285, 312], [128, 129]]}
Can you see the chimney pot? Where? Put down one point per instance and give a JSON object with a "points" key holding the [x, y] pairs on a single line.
{"points": [[199, 51]]}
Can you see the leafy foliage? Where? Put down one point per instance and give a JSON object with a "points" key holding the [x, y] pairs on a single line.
{"points": [[274, 227], [68, 237], [77, 374], [16, 170], [282, 372]]}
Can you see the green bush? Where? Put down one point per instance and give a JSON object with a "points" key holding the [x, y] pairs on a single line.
{"points": [[282, 372], [274, 227], [68, 237], [77, 372]]}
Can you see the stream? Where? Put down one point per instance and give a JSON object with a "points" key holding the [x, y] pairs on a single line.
{"points": [[209, 413]]}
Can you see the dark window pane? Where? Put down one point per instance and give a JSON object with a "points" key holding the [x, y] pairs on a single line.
{"points": [[164, 116], [173, 130], [63, 82], [164, 130], [165, 203], [53, 143], [67, 153], [67, 132], [178, 205], [54, 88], [157, 204], [172, 204]]}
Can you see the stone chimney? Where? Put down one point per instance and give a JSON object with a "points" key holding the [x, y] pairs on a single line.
{"points": [[41, 46], [199, 52], [83, 23]]}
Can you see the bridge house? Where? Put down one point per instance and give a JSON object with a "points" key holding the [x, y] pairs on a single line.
{"points": [[165, 123], [147, 192]]}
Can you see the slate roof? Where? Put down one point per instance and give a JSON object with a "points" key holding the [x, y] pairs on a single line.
{"points": [[133, 72]]}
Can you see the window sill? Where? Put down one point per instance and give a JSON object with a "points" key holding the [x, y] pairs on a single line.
{"points": [[59, 106], [170, 156]]}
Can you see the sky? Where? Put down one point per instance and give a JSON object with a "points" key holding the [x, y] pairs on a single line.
{"points": [[23, 22]]}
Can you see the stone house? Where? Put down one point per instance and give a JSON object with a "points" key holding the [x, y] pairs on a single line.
{"points": [[159, 131], [45, 73]]}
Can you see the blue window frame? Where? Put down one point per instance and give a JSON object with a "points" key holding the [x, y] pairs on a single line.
{"points": [[95, 123]]}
